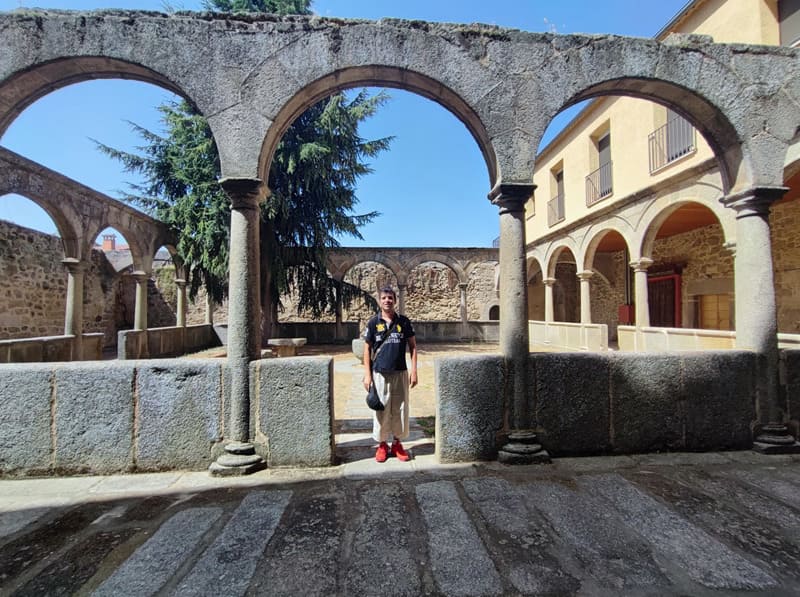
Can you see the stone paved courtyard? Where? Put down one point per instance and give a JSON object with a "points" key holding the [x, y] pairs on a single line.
{"points": [[682, 524]]}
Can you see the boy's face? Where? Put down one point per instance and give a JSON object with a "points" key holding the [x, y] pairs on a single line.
{"points": [[387, 301]]}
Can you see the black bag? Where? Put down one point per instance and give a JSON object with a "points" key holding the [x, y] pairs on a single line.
{"points": [[373, 400]]}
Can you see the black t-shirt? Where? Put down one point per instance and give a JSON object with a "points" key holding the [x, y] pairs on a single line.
{"points": [[395, 335]]}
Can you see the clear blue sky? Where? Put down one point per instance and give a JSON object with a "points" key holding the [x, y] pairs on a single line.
{"points": [[430, 187]]}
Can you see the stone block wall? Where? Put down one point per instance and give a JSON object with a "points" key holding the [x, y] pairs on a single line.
{"points": [[111, 417], [595, 403]]}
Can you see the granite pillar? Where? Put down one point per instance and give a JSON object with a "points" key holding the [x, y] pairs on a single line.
{"points": [[244, 325], [522, 446], [549, 310], [140, 310], [73, 316], [755, 311], [640, 291], [586, 296]]}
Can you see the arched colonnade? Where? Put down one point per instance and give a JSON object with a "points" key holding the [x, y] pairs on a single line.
{"points": [[251, 76], [80, 215]]}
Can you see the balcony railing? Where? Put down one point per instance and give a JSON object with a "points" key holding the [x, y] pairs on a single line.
{"points": [[670, 142], [599, 184], [555, 210]]}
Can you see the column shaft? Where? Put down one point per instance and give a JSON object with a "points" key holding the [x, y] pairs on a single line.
{"points": [[586, 296], [401, 298], [514, 337], [640, 291], [549, 310], [462, 299], [73, 316], [140, 310], [180, 315]]}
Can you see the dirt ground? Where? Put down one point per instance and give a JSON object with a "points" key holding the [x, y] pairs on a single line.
{"points": [[348, 372]]}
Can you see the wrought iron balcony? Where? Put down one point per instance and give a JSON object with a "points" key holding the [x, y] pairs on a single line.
{"points": [[555, 210], [670, 142], [599, 184]]}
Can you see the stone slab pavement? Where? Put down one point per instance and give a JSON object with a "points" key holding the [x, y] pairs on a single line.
{"points": [[674, 524]]}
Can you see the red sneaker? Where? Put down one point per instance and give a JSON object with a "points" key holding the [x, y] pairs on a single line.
{"points": [[383, 452], [399, 451]]}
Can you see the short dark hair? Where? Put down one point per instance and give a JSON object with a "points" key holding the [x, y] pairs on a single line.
{"points": [[387, 290]]}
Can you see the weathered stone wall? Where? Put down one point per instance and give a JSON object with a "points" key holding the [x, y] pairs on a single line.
{"points": [[34, 290], [608, 294], [785, 223], [481, 291], [433, 293]]}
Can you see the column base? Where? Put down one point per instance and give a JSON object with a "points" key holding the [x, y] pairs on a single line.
{"points": [[240, 458], [776, 439], [523, 448]]}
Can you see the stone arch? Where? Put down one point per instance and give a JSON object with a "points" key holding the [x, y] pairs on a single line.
{"points": [[70, 238], [373, 75], [660, 211], [534, 264], [597, 233], [555, 253], [730, 102], [445, 260], [392, 265]]}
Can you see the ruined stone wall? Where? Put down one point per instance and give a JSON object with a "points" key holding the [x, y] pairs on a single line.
{"points": [[433, 293], [785, 223], [33, 293], [481, 292], [34, 289]]}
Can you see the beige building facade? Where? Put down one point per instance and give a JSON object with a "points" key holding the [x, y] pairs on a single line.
{"points": [[626, 226]]}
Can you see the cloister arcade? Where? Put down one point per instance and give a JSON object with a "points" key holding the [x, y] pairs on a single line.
{"points": [[259, 74]]}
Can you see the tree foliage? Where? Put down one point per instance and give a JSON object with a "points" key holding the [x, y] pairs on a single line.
{"points": [[280, 7], [312, 179]]}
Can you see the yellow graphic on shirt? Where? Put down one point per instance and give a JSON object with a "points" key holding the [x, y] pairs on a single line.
{"points": [[380, 327], [399, 329]]}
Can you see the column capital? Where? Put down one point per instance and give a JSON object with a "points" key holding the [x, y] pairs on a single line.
{"points": [[511, 197], [462, 285], [245, 193], [548, 281], [755, 201], [140, 275], [730, 246], [74, 266], [585, 274], [180, 283], [641, 264]]}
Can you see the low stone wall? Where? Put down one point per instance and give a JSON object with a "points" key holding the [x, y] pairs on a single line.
{"points": [[110, 417], [594, 403], [50, 349], [157, 343], [558, 335]]}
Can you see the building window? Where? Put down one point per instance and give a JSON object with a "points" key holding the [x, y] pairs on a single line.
{"points": [[599, 183], [671, 141], [555, 207]]}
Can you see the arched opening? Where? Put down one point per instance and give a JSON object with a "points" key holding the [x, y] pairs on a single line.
{"points": [[536, 291], [494, 313], [691, 281], [33, 294], [433, 292], [369, 276], [611, 286], [566, 290]]}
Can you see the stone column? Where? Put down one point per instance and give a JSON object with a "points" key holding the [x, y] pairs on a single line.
{"points": [[244, 325], [756, 314], [640, 291], [338, 330], [522, 447], [549, 311], [586, 296], [180, 315], [140, 311], [462, 299], [73, 316], [401, 298]]}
